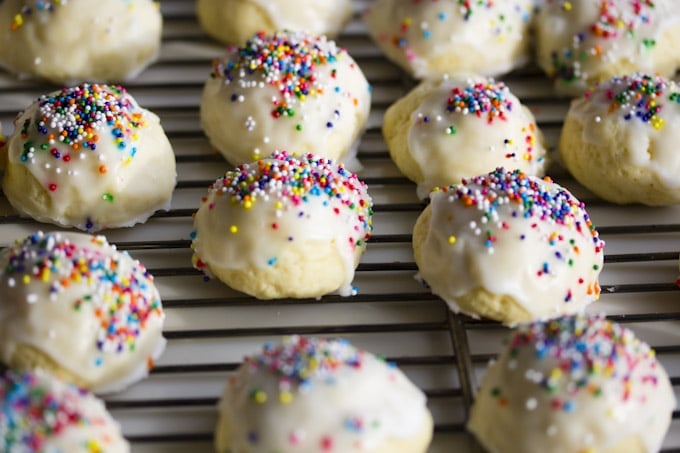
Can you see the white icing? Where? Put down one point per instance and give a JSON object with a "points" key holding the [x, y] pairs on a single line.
{"points": [[579, 43], [119, 183], [42, 412], [590, 389], [230, 235], [326, 17], [480, 237], [650, 143], [63, 307], [77, 40], [434, 37], [449, 142], [348, 397], [237, 109]]}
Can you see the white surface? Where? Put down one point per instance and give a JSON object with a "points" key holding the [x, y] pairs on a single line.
{"points": [[210, 327]]}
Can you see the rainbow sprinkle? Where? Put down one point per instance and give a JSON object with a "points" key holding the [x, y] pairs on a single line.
{"points": [[36, 408], [288, 61], [639, 96], [489, 99], [76, 116], [577, 353], [300, 362], [123, 302]]}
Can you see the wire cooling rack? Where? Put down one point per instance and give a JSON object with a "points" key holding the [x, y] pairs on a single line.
{"points": [[210, 327]]}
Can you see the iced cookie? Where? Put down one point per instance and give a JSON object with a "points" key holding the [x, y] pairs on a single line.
{"points": [[446, 130], [89, 157], [288, 90], [75, 41], [620, 140], [509, 247], [70, 303], [284, 226], [314, 395], [574, 384]]}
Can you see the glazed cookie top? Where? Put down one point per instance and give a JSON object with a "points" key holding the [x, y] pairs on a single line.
{"points": [[75, 292], [292, 87], [578, 383], [480, 116], [418, 35], [39, 413], [514, 235], [578, 39], [320, 395], [90, 140], [252, 212]]}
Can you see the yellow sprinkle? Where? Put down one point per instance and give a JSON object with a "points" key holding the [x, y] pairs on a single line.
{"points": [[94, 447], [27, 279], [452, 240], [566, 6], [248, 204], [260, 397], [285, 397], [233, 229]]}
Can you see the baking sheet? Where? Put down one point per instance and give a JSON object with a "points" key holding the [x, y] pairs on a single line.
{"points": [[210, 327]]}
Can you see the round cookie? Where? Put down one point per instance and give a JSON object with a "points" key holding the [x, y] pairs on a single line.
{"points": [[434, 37], [40, 413], [620, 140], [73, 41], [509, 247], [289, 90], [89, 157], [580, 42], [72, 304], [312, 395], [446, 130], [574, 384], [234, 21], [284, 227]]}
